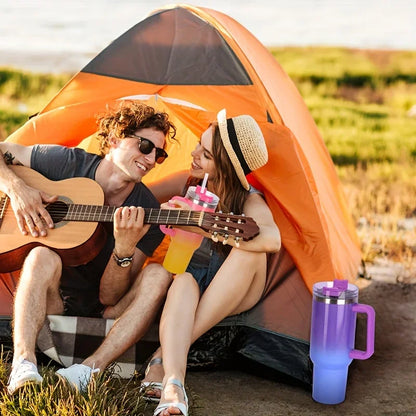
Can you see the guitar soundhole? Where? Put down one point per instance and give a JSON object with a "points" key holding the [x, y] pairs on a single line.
{"points": [[57, 210]]}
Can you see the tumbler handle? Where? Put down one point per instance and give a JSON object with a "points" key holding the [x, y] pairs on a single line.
{"points": [[369, 311]]}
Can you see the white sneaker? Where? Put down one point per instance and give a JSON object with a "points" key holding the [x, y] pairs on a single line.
{"points": [[23, 371], [78, 375]]}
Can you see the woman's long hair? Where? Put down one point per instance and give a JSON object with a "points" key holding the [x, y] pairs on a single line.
{"points": [[226, 184]]}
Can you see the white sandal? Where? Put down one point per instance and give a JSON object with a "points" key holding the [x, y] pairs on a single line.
{"points": [[183, 407], [151, 385]]}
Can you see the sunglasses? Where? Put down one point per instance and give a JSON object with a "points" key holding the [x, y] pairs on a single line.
{"points": [[146, 147]]}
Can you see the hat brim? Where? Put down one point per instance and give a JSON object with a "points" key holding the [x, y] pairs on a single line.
{"points": [[225, 137]]}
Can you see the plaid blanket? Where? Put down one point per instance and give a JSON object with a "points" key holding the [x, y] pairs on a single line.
{"points": [[70, 339]]}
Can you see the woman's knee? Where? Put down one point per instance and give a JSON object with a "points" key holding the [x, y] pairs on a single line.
{"points": [[184, 282], [250, 259]]}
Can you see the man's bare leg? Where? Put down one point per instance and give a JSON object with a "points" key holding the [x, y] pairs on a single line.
{"points": [[149, 294], [37, 294]]}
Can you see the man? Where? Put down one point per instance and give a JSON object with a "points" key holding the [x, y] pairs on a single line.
{"points": [[132, 140]]}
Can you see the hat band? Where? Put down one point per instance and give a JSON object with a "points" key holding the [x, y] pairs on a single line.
{"points": [[236, 146]]}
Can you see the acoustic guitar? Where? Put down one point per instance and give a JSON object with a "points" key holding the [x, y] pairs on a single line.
{"points": [[77, 214]]}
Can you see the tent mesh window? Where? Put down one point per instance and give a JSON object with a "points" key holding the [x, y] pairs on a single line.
{"points": [[172, 47]]}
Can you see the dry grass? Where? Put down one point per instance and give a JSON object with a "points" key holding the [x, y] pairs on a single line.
{"points": [[382, 199]]}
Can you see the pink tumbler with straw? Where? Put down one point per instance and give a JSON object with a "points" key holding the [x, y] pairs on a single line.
{"points": [[184, 243], [334, 312]]}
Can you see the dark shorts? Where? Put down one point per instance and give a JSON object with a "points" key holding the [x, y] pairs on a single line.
{"points": [[82, 304], [204, 272], [80, 293]]}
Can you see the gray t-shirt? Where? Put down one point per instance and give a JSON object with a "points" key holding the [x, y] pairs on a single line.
{"points": [[80, 285]]}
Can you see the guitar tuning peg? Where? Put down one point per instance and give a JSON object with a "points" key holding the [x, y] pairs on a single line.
{"points": [[224, 242], [243, 215], [231, 213], [214, 236], [219, 212], [237, 241]]}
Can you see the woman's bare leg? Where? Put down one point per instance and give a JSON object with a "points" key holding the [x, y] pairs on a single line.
{"points": [[237, 287], [175, 335]]}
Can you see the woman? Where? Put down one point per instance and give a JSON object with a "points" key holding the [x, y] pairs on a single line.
{"points": [[220, 280]]}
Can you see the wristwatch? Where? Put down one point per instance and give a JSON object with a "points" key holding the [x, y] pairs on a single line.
{"points": [[122, 262]]}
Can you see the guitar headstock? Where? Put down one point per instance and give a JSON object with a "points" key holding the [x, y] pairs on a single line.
{"points": [[238, 227]]}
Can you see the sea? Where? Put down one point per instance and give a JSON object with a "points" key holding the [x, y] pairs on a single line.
{"points": [[64, 35]]}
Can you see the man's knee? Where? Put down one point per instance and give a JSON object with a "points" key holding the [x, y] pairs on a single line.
{"points": [[157, 276], [41, 254], [44, 261]]}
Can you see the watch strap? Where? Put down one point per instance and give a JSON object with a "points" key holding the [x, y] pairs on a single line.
{"points": [[122, 261]]}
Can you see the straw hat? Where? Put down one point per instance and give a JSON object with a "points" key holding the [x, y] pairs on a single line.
{"points": [[244, 143]]}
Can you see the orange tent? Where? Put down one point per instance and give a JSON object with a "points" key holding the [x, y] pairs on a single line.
{"points": [[192, 62]]}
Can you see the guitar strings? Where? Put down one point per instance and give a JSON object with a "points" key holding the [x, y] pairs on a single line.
{"points": [[100, 213], [107, 213]]}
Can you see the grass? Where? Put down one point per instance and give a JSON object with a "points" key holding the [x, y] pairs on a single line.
{"points": [[107, 395], [23, 94], [360, 100]]}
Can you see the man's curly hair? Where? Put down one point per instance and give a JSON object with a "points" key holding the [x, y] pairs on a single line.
{"points": [[129, 117]]}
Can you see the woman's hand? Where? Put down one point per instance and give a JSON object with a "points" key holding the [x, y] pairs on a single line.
{"points": [[176, 204]]}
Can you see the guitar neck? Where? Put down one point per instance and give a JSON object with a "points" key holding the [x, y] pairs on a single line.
{"points": [[98, 213]]}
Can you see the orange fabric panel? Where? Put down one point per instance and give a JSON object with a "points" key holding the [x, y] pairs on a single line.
{"points": [[8, 284]]}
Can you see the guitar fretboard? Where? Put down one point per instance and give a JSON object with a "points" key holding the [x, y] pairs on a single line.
{"points": [[99, 213]]}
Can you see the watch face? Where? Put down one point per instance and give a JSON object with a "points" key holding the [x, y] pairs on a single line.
{"points": [[125, 263]]}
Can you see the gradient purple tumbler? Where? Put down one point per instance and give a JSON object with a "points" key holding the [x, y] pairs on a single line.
{"points": [[334, 312]]}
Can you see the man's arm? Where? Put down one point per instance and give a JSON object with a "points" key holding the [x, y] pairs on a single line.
{"points": [[15, 154], [26, 202], [128, 230]]}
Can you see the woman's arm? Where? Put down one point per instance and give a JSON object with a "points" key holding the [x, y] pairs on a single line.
{"points": [[268, 240], [169, 186]]}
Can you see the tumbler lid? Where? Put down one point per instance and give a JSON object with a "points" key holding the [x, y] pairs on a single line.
{"points": [[337, 292], [204, 194], [202, 197]]}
